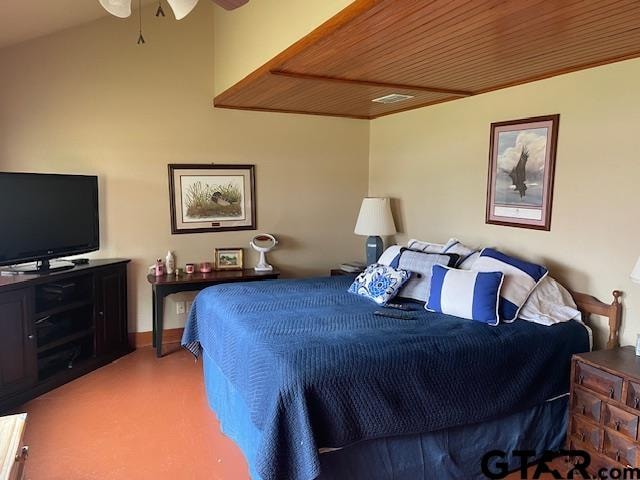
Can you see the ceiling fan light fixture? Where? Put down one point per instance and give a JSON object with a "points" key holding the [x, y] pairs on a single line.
{"points": [[182, 8], [118, 8]]}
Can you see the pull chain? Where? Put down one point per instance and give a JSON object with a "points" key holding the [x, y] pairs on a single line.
{"points": [[160, 11], [140, 37]]}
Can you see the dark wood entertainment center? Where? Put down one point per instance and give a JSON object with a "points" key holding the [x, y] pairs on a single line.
{"points": [[57, 326]]}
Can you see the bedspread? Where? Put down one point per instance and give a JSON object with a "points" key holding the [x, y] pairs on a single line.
{"points": [[316, 368]]}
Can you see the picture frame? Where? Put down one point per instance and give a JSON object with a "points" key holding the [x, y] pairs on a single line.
{"points": [[212, 198], [522, 160], [228, 259]]}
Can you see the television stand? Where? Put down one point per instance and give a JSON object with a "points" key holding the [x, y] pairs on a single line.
{"points": [[59, 325], [40, 267]]}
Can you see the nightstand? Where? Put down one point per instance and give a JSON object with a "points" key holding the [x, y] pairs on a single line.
{"points": [[335, 272], [605, 407]]}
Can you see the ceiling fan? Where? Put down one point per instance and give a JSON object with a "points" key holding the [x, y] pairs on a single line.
{"points": [[181, 8]]}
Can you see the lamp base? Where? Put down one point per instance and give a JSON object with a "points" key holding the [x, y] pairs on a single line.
{"points": [[374, 249]]}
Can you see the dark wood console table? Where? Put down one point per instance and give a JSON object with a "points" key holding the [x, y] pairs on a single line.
{"points": [[170, 284]]}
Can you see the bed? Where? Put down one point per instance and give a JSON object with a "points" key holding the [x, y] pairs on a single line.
{"points": [[311, 384]]}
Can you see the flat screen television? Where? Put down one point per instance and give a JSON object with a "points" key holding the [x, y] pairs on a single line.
{"points": [[47, 216]]}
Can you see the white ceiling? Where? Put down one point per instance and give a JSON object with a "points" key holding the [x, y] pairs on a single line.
{"points": [[22, 20]]}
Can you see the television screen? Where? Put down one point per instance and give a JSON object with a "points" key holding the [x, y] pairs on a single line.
{"points": [[44, 216]]}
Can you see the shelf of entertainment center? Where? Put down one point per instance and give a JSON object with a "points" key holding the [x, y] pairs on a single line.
{"points": [[66, 339], [62, 308]]}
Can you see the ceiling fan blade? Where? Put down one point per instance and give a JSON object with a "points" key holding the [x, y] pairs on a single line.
{"points": [[181, 8], [119, 8], [231, 4]]}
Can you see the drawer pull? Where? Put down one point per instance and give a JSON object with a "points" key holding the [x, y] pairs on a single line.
{"points": [[24, 453], [583, 410], [636, 402], [611, 392], [617, 455], [580, 379], [617, 425]]}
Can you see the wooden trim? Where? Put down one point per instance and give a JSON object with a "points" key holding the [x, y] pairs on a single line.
{"points": [[369, 83], [349, 13], [589, 305], [296, 112], [144, 339]]}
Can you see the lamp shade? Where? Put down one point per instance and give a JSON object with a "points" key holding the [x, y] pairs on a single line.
{"points": [[635, 274], [375, 218]]}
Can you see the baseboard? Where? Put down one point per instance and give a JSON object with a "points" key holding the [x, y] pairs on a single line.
{"points": [[143, 339]]}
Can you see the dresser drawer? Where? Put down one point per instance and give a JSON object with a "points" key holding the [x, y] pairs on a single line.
{"points": [[586, 404], [620, 421], [620, 449], [633, 395], [598, 380], [586, 432]]}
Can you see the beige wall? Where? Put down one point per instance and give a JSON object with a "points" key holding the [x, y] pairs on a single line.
{"points": [[246, 38], [434, 162], [89, 100]]}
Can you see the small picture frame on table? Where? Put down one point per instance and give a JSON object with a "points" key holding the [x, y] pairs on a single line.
{"points": [[228, 259]]}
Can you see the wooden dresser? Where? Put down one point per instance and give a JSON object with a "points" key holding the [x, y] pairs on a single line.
{"points": [[13, 453], [605, 407]]}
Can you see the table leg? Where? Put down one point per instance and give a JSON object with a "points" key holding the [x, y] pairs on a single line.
{"points": [[153, 317], [159, 303]]}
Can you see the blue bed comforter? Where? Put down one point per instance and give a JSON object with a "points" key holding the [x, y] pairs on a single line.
{"points": [[316, 368]]}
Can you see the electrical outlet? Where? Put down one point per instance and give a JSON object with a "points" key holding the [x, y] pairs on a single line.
{"points": [[180, 308], [189, 303]]}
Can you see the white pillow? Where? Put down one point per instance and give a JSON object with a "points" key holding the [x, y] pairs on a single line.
{"points": [[456, 246], [426, 247], [467, 263], [549, 303], [389, 255]]}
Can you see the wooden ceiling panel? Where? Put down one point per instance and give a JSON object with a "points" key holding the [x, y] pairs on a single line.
{"points": [[437, 50], [286, 94]]}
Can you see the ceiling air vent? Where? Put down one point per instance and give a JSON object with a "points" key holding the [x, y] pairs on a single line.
{"points": [[392, 98]]}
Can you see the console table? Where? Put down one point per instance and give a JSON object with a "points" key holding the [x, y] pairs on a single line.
{"points": [[170, 284]]}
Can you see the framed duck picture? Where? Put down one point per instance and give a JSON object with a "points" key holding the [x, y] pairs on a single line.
{"points": [[522, 157], [212, 198]]}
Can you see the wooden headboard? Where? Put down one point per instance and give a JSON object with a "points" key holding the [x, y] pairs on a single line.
{"points": [[589, 305]]}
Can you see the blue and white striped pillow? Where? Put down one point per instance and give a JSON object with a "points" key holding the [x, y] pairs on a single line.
{"points": [[465, 294], [520, 278]]}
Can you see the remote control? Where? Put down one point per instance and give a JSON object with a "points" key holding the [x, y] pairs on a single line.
{"points": [[398, 315], [398, 306]]}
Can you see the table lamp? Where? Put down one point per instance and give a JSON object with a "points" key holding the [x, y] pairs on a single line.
{"points": [[375, 220], [635, 274]]}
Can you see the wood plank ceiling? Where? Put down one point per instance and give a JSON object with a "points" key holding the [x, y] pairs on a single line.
{"points": [[435, 51]]}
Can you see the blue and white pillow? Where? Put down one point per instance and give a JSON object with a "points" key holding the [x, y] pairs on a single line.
{"points": [[520, 278], [379, 283], [420, 264], [465, 294]]}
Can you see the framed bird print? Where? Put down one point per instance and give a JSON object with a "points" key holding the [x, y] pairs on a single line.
{"points": [[522, 157], [212, 198]]}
